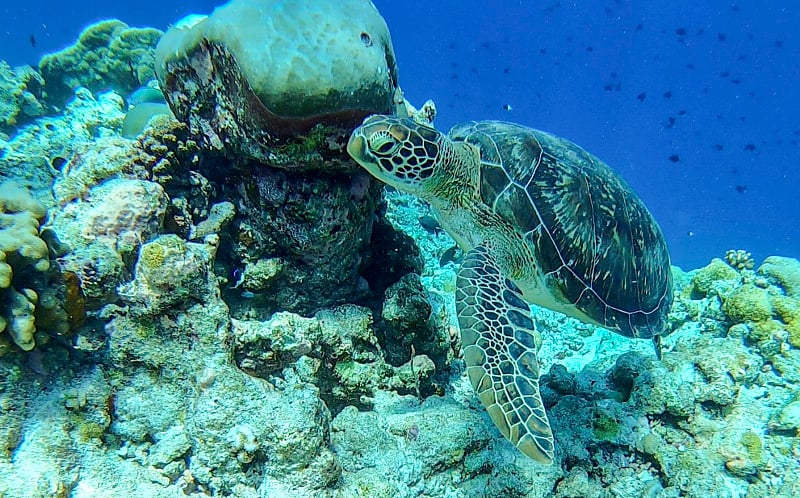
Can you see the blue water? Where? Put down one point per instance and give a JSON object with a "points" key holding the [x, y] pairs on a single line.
{"points": [[598, 73]]}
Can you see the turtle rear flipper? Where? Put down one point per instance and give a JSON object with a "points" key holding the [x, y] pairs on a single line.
{"points": [[497, 335]]}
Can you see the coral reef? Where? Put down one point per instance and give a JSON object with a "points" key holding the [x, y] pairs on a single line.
{"points": [[21, 250], [108, 55], [274, 145], [251, 316]]}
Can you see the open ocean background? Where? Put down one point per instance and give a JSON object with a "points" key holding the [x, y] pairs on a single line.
{"points": [[696, 104]]}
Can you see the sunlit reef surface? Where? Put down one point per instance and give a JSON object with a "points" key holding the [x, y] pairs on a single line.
{"points": [[152, 355]]}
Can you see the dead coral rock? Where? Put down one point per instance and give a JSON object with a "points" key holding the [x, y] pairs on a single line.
{"points": [[406, 322], [318, 228], [170, 275], [121, 213], [336, 350], [701, 369]]}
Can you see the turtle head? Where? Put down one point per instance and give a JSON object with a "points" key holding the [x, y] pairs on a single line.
{"points": [[396, 151]]}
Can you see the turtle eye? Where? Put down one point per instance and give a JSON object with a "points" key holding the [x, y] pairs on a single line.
{"points": [[383, 143]]}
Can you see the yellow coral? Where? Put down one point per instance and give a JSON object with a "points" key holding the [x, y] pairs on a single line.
{"points": [[748, 303], [793, 328], [703, 281], [152, 255], [20, 245], [20, 215], [755, 448]]}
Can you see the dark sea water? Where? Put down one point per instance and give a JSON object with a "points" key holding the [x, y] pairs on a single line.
{"points": [[694, 103]]}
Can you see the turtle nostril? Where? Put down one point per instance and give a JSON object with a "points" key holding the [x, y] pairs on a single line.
{"points": [[366, 39]]}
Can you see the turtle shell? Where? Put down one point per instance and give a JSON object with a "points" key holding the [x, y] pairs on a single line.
{"points": [[598, 246]]}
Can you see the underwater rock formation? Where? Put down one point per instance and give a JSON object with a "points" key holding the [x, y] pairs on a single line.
{"points": [[255, 73], [336, 350], [320, 227], [272, 106]]}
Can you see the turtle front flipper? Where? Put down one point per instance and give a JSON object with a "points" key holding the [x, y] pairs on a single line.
{"points": [[500, 353]]}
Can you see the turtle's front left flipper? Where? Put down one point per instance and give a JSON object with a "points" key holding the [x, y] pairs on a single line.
{"points": [[500, 353]]}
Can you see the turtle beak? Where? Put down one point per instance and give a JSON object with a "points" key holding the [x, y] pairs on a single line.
{"points": [[356, 146]]}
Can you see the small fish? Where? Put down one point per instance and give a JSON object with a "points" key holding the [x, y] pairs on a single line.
{"points": [[641, 96], [668, 94], [33, 41], [507, 107], [453, 254], [750, 147], [430, 224], [674, 158], [741, 189], [145, 94]]}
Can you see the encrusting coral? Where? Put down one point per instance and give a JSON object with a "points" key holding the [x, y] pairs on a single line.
{"points": [[21, 250], [20, 91]]}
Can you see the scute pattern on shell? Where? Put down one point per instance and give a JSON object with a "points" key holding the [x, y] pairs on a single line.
{"points": [[597, 243]]}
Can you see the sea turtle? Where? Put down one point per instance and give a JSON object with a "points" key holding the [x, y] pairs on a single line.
{"points": [[541, 221]]}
